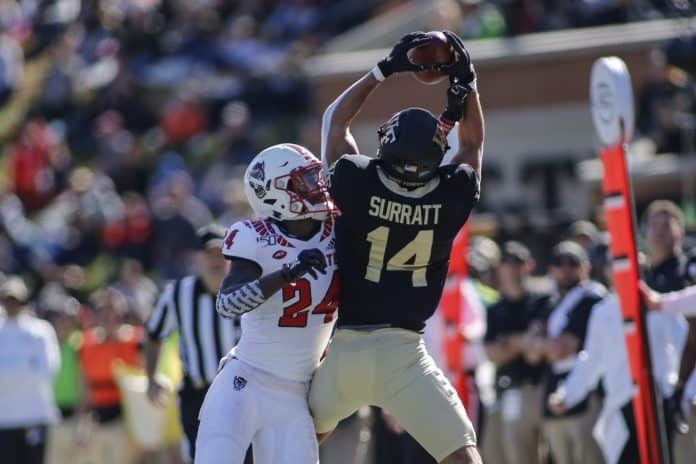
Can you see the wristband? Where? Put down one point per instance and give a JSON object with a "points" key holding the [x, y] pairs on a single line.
{"points": [[377, 73], [445, 124]]}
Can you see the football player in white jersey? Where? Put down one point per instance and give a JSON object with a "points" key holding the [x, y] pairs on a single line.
{"points": [[282, 279]]}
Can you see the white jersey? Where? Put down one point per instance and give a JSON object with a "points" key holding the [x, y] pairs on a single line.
{"points": [[287, 334]]}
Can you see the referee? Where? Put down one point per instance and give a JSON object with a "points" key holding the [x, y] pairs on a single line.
{"points": [[188, 305]]}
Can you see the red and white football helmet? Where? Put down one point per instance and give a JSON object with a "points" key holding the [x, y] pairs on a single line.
{"points": [[286, 182]]}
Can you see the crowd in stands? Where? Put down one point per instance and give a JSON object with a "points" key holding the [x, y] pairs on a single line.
{"points": [[485, 19], [126, 126]]}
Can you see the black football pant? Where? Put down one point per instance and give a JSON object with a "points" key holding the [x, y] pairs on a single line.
{"points": [[23, 445], [630, 454]]}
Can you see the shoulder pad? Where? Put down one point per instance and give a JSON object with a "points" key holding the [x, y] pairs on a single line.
{"points": [[450, 170], [457, 173], [241, 239]]}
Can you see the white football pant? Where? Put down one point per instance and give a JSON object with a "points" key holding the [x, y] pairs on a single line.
{"points": [[245, 405]]}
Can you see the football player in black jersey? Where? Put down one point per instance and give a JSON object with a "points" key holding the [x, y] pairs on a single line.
{"points": [[399, 213]]}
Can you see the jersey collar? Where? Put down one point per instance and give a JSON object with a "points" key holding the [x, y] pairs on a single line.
{"points": [[322, 234], [419, 192]]}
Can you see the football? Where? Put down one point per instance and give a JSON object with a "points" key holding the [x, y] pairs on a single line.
{"points": [[435, 52]]}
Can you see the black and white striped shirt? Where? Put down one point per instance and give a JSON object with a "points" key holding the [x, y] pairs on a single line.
{"points": [[204, 336]]}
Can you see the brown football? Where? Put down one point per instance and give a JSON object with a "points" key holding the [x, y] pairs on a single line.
{"points": [[435, 52]]}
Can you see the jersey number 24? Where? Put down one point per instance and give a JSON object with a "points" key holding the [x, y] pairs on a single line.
{"points": [[296, 314]]}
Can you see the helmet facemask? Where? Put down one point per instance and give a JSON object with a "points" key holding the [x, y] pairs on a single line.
{"points": [[286, 182], [307, 188], [407, 173]]}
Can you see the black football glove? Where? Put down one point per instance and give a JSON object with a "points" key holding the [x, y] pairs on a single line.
{"points": [[397, 61], [460, 71], [308, 262], [456, 96]]}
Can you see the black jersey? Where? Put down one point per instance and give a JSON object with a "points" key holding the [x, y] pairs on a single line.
{"points": [[673, 274], [392, 244]]}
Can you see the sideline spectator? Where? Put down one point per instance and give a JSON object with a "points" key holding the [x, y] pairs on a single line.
{"points": [[569, 434], [672, 268], [513, 323], [64, 444], [29, 359], [483, 258], [604, 359], [681, 302], [138, 289], [109, 342]]}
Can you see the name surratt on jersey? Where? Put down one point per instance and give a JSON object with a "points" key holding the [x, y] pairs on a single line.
{"points": [[405, 214]]}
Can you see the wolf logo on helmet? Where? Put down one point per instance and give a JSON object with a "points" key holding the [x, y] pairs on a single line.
{"points": [[258, 171]]}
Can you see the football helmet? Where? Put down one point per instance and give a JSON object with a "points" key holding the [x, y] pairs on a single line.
{"points": [[286, 182], [411, 146]]}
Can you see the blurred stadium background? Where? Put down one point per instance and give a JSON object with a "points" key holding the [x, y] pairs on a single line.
{"points": [[126, 124]]}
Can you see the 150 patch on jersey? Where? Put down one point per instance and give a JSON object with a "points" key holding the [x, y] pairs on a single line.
{"points": [[268, 240]]}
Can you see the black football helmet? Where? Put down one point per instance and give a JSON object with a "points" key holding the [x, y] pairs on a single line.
{"points": [[411, 146]]}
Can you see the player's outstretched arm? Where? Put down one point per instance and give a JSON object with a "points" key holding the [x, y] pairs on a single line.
{"points": [[471, 133], [244, 289], [336, 138], [463, 106]]}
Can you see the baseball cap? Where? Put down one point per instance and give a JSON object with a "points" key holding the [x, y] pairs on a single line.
{"points": [[515, 252], [583, 229], [570, 250], [483, 254], [211, 236], [15, 288]]}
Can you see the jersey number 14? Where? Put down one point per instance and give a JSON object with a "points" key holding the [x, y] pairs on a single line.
{"points": [[413, 257]]}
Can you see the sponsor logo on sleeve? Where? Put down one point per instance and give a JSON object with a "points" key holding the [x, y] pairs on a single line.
{"points": [[280, 254]]}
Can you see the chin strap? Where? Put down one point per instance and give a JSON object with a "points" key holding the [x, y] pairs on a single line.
{"points": [[402, 183]]}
